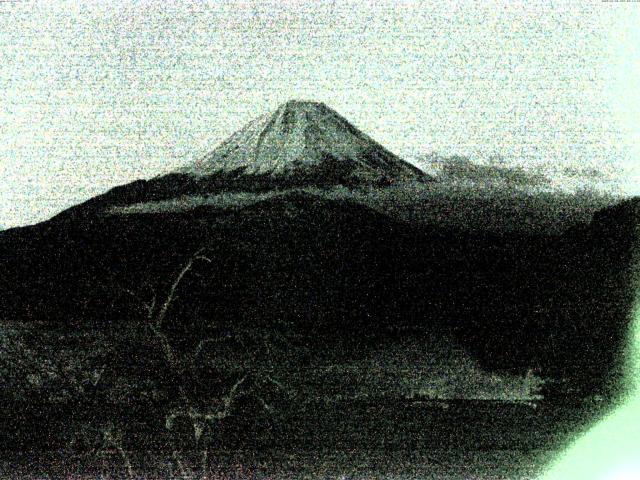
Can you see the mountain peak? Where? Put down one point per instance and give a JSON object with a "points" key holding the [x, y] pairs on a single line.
{"points": [[304, 139], [297, 104]]}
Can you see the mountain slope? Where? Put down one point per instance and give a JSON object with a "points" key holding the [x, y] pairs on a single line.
{"points": [[268, 252]]}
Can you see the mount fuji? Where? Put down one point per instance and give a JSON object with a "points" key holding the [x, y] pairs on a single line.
{"points": [[304, 139], [302, 144]]}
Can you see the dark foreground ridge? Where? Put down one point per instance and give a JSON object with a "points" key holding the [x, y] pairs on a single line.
{"points": [[516, 301]]}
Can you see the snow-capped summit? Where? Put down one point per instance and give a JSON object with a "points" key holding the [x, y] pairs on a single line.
{"points": [[304, 139]]}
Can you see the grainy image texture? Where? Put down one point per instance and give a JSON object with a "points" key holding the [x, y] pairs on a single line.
{"points": [[341, 239]]}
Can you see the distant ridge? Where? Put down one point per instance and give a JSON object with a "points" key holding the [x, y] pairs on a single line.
{"points": [[304, 139]]}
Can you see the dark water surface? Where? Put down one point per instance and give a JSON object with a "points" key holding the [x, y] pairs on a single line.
{"points": [[355, 439]]}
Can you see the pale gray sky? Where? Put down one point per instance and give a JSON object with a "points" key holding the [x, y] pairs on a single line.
{"points": [[96, 94]]}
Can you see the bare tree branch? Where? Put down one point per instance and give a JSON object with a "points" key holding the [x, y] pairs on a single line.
{"points": [[112, 440], [181, 467], [194, 415], [156, 319], [174, 286], [156, 308], [203, 343]]}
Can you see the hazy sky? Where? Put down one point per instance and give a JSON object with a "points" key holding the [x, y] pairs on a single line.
{"points": [[96, 94]]}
